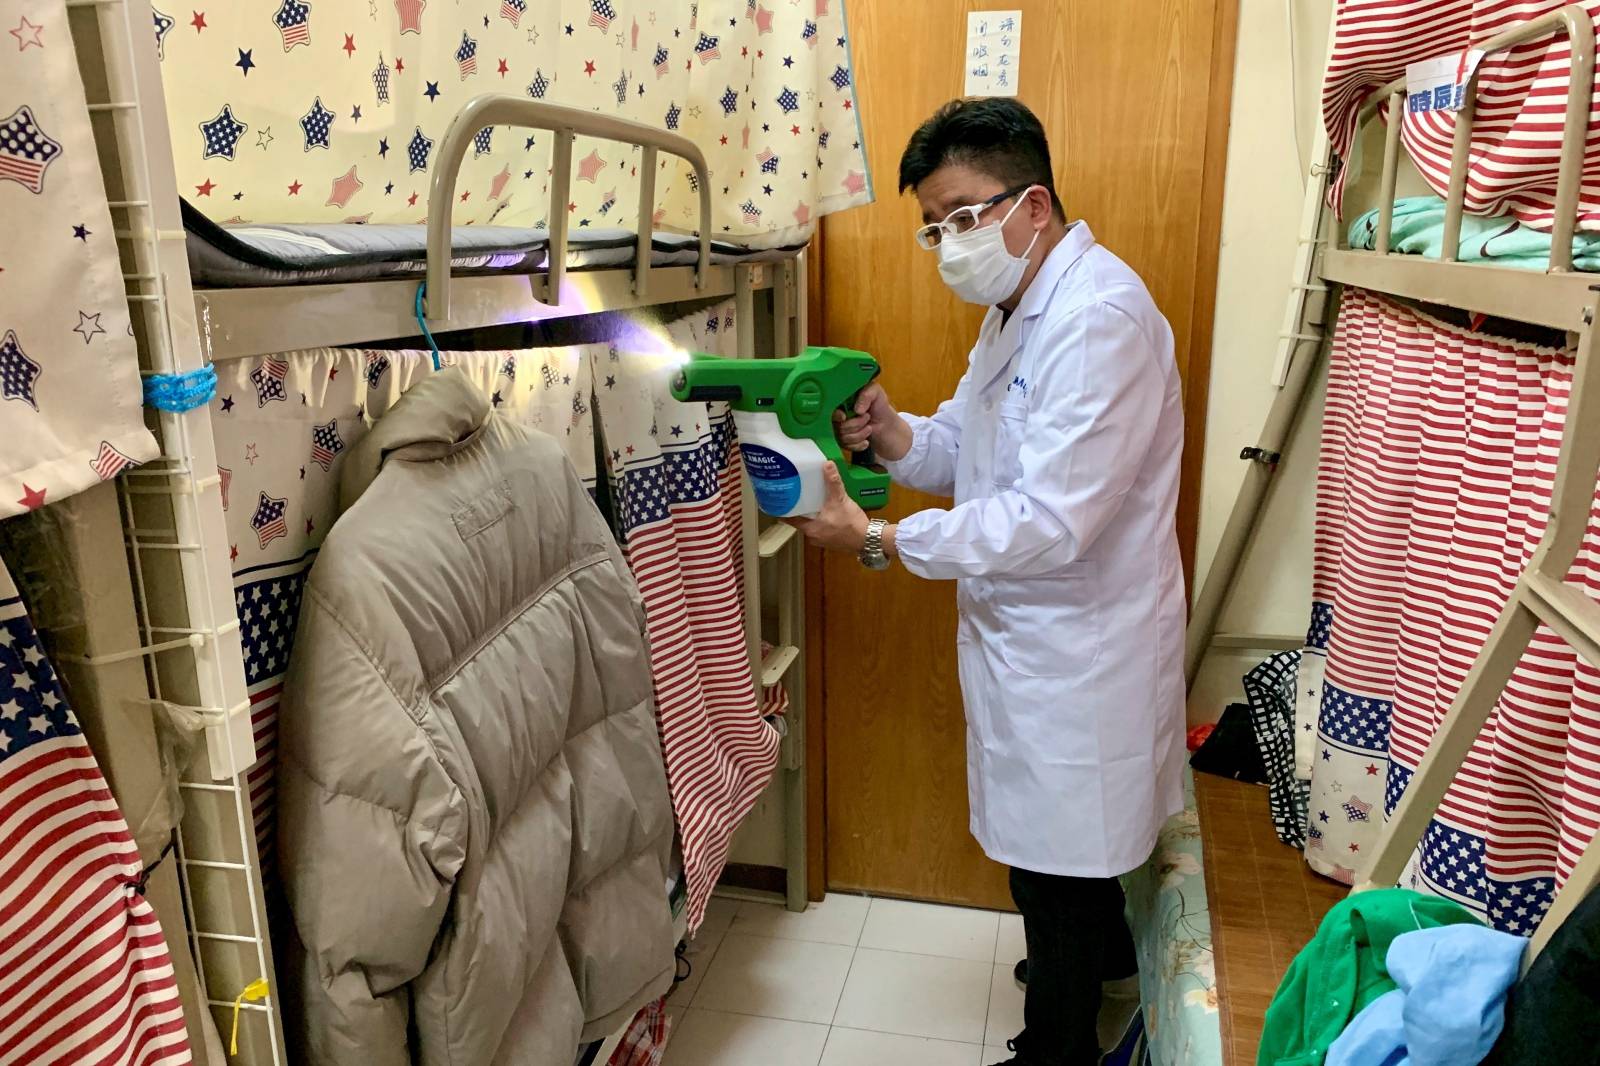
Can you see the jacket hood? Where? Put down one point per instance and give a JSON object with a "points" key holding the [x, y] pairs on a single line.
{"points": [[439, 415]]}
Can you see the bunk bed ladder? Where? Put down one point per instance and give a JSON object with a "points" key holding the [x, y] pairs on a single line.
{"points": [[773, 561], [1301, 346], [171, 512]]}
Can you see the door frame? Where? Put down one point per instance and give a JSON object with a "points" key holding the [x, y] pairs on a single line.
{"points": [[1225, 34]]}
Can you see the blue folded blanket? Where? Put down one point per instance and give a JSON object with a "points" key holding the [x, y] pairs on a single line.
{"points": [[1419, 230]]}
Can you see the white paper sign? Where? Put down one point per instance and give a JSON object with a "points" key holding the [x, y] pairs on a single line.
{"points": [[994, 49], [1440, 84]]}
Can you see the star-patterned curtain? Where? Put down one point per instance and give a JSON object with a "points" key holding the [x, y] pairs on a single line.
{"points": [[70, 406], [331, 110]]}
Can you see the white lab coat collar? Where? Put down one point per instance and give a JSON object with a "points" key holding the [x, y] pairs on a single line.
{"points": [[1000, 342], [1076, 241]]}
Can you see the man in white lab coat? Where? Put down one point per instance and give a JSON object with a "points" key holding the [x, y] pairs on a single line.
{"points": [[1060, 449]]}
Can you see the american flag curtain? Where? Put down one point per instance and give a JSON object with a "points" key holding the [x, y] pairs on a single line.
{"points": [[1516, 143], [676, 473], [84, 972], [1438, 458], [70, 404]]}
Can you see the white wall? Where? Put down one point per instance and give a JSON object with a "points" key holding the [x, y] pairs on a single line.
{"points": [[1275, 88]]}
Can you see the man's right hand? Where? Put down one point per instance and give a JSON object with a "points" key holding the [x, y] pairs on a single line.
{"points": [[875, 422]]}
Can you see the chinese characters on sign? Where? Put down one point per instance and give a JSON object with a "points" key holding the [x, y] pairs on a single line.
{"points": [[994, 47], [1440, 84]]}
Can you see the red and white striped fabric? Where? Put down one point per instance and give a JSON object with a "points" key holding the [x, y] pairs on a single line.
{"points": [[1516, 144], [1438, 461], [645, 1042], [84, 972], [676, 472]]}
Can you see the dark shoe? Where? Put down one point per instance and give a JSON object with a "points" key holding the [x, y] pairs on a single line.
{"points": [[1019, 974]]}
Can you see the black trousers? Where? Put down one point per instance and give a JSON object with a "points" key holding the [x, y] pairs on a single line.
{"points": [[1077, 937]]}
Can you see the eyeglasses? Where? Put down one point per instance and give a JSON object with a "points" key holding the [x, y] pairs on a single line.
{"points": [[963, 219]]}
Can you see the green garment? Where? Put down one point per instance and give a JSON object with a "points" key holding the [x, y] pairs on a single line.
{"points": [[1419, 230], [1342, 970]]}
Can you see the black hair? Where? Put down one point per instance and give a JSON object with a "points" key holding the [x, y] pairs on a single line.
{"points": [[996, 135]]}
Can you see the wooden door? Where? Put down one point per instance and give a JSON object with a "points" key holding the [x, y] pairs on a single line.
{"points": [[1134, 97]]}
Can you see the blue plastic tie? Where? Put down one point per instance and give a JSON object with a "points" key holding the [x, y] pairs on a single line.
{"points": [[180, 392], [422, 291]]}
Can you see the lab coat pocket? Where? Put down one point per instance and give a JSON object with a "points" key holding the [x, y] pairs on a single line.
{"points": [[1008, 434], [1049, 626]]}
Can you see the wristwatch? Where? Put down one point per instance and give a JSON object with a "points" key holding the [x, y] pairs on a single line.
{"points": [[872, 556]]}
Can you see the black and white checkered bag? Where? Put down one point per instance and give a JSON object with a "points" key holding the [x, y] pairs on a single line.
{"points": [[1271, 690]]}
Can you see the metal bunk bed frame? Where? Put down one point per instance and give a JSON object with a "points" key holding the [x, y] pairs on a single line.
{"points": [[1560, 299], [171, 514]]}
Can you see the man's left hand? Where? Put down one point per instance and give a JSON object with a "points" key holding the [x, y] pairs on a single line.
{"points": [[841, 524]]}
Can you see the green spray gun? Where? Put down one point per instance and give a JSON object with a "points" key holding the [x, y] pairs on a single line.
{"points": [[783, 409]]}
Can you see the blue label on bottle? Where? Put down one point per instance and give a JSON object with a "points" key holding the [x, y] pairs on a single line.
{"points": [[773, 477]]}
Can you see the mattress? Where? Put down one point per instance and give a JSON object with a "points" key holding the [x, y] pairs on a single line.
{"points": [[1503, 241], [223, 256]]}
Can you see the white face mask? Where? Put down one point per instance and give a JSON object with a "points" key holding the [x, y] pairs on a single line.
{"points": [[978, 267]]}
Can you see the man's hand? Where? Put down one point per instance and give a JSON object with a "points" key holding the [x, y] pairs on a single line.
{"points": [[875, 422], [841, 524]]}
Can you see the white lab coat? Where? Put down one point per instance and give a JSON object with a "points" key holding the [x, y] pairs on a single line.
{"points": [[1061, 449]]}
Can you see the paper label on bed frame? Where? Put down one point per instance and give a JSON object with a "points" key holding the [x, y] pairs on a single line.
{"points": [[994, 51], [1440, 84]]}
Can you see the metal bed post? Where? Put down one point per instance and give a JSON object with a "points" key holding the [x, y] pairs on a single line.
{"points": [[744, 318], [783, 551], [647, 211], [566, 123], [1391, 172], [773, 565], [560, 189]]}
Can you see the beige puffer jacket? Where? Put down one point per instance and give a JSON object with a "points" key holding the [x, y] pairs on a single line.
{"points": [[474, 825]]}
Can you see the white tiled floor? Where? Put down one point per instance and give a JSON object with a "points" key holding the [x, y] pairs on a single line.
{"points": [[851, 982]]}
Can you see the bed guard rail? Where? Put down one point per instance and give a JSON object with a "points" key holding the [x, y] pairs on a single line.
{"points": [[566, 123], [1572, 22]]}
